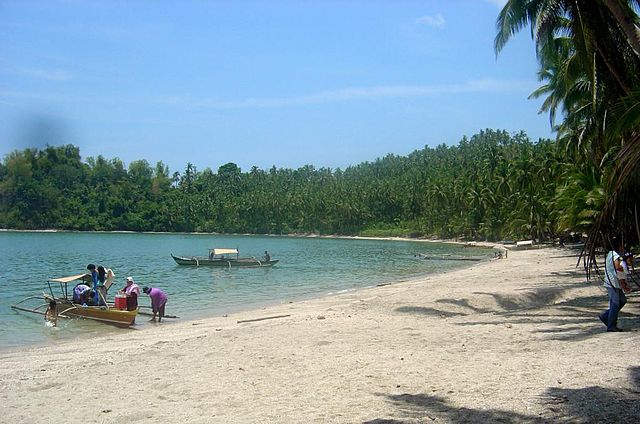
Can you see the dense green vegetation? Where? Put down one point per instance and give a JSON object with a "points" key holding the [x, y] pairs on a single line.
{"points": [[491, 186], [589, 57]]}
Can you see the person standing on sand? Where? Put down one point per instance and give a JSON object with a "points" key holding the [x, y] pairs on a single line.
{"points": [[616, 285], [158, 301]]}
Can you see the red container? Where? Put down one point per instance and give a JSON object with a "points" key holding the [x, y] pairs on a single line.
{"points": [[121, 301]]}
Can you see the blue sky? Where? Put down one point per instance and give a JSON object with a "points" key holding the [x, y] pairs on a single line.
{"points": [[259, 83]]}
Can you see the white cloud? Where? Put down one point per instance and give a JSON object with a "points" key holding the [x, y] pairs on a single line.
{"points": [[347, 94], [45, 74], [352, 94], [436, 21]]}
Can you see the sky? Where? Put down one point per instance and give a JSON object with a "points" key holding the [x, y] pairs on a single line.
{"points": [[259, 83]]}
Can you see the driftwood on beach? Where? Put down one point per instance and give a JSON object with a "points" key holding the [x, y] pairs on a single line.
{"points": [[240, 321], [449, 257]]}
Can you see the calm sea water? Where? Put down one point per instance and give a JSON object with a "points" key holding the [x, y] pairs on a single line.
{"points": [[308, 267]]}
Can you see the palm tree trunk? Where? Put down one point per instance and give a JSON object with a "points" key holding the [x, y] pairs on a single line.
{"points": [[613, 71], [625, 21]]}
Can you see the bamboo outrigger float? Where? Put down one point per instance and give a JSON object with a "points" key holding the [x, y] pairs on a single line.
{"points": [[66, 308]]}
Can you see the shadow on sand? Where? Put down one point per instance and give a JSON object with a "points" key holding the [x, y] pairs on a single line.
{"points": [[542, 304], [558, 405]]}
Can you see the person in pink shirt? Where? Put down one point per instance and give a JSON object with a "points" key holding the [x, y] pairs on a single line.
{"points": [[158, 301]]}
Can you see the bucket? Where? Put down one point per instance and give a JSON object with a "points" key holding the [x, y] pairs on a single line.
{"points": [[121, 301]]}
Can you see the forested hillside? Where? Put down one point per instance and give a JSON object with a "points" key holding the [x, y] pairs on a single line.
{"points": [[491, 186]]}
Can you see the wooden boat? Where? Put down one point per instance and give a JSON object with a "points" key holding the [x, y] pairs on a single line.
{"points": [[229, 258], [66, 307]]}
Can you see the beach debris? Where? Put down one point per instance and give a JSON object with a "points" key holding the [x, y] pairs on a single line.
{"points": [[321, 317], [240, 321]]}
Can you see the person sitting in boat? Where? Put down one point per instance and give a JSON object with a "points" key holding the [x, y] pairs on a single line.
{"points": [[267, 256], [81, 293], [132, 291], [158, 301], [95, 281]]}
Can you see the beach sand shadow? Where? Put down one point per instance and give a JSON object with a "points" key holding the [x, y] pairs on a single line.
{"points": [[559, 405]]}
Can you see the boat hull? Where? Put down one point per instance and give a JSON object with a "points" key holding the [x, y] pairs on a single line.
{"points": [[105, 314], [226, 263]]}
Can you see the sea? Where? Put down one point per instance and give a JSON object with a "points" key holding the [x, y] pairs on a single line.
{"points": [[308, 267]]}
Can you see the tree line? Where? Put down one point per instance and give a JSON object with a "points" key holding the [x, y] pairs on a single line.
{"points": [[493, 185]]}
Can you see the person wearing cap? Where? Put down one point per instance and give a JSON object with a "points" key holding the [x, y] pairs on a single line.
{"points": [[158, 301], [132, 291]]}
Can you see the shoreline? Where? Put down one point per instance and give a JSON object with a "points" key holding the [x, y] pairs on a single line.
{"points": [[453, 347], [246, 308], [301, 235]]}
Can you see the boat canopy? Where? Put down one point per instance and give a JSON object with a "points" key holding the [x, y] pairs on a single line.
{"points": [[224, 251], [84, 277]]}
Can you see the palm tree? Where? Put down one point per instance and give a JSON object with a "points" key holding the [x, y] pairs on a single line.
{"points": [[589, 55]]}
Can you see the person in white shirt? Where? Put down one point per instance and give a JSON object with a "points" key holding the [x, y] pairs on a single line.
{"points": [[616, 285]]}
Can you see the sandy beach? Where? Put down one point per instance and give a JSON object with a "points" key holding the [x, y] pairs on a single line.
{"points": [[512, 340]]}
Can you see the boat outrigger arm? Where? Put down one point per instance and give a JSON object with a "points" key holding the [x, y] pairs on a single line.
{"points": [[67, 308], [35, 310]]}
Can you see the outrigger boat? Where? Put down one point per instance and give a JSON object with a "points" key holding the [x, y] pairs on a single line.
{"points": [[66, 307], [223, 258]]}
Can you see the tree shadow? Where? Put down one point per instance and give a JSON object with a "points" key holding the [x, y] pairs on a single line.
{"points": [[558, 405], [428, 311], [534, 298], [576, 318], [464, 303]]}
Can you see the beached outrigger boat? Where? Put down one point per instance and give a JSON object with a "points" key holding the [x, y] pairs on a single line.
{"points": [[229, 258], [66, 307]]}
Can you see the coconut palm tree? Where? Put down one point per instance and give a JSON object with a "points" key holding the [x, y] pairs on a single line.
{"points": [[589, 55]]}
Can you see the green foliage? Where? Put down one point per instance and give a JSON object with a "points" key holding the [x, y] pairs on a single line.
{"points": [[490, 186], [589, 63]]}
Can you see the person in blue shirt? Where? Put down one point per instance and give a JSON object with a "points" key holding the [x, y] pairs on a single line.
{"points": [[97, 278]]}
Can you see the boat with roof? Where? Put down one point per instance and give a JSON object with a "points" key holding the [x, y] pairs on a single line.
{"points": [[69, 307], [224, 257]]}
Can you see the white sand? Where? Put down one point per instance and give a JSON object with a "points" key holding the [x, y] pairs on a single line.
{"points": [[514, 340]]}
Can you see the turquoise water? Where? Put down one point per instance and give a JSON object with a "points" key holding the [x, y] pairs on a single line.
{"points": [[308, 267]]}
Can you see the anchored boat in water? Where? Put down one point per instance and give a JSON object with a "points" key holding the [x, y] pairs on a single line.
{"points": [[229, 258], [67, 308]]}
